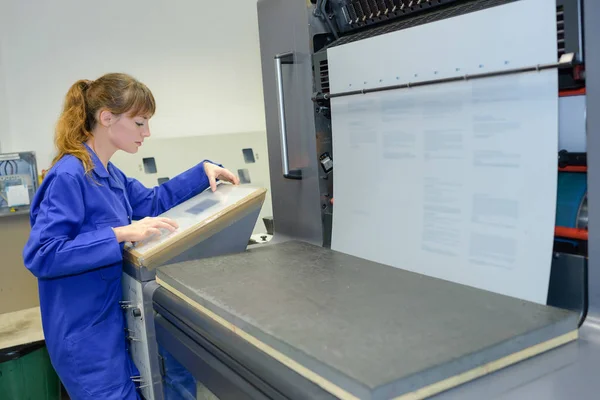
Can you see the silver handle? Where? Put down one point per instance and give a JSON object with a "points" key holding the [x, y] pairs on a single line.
{"points": [[296, 174]]}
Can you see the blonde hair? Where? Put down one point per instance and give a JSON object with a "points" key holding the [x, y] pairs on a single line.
{"points": [[114, 92]]}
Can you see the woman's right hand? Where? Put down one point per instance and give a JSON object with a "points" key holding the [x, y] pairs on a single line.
{"points": [[143, 229]]}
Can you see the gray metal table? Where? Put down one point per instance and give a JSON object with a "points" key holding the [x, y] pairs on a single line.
{"points": [[569, 372], [359, 329]]}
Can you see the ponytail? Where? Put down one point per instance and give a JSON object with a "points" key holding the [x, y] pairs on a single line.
{"points": [[73, 127]]}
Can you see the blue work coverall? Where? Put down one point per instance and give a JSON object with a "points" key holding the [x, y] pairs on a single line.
{"points": [[74, 253]]}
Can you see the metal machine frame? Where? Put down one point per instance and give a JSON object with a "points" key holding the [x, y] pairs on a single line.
{"points": [[592, 62], [139, 286], [300, 123], [293, 35]]}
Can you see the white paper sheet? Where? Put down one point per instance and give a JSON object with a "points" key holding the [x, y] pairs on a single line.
{"points": [[571, 128], [458, 180], [17, 195]]}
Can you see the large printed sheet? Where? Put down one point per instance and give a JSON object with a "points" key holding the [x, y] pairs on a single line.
{"points": [[455, 180]]}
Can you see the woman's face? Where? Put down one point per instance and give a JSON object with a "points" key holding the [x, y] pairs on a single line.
{"points": [[128, 133]]}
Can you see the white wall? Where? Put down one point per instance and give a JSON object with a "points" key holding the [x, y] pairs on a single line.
{"points": [[4, 123], [200, 58], [5, 136]]}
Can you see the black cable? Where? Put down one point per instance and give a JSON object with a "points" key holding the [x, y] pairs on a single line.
{"points": [[321, 12], [14, 167]]}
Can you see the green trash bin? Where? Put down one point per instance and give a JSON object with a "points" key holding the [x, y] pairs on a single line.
{"points": [[27, 374]]}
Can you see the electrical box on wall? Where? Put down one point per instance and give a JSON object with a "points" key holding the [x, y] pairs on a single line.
{"points": [[18, 182]]}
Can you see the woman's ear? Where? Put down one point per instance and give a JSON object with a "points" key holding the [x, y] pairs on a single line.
{"points": [[106, 118]]}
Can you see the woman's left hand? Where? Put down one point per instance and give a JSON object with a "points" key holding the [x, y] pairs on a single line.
{"points": [[214, 172]]}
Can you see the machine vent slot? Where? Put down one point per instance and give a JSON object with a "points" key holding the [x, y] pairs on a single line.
{"points": [[366, 9], [324, 76], [560, 30], [359, 11], [352, 14]]}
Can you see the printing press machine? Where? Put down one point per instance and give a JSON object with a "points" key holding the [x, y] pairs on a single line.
{"points": [[210, 317]]}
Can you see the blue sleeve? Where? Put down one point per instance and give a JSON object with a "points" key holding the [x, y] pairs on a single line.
{"points": [[56, 247], [147, 202]]}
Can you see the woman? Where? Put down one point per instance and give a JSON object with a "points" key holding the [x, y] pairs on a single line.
{"points": [[81, 216]]}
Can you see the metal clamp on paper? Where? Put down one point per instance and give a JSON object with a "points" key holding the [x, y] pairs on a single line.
{"points": [[566, 60]]}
